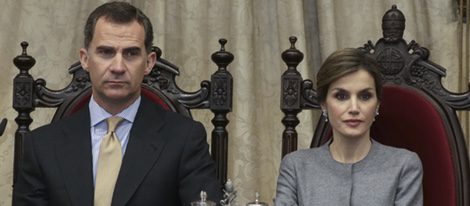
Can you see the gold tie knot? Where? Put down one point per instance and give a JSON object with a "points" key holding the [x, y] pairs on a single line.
{"points": [[113, 123]]}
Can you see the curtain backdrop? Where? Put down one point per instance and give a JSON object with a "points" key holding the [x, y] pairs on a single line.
{"points": [[257, 32]]}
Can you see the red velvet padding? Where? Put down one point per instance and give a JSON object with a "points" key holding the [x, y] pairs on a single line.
{"points": [[408, 120], [155, 98], [83, 101]]}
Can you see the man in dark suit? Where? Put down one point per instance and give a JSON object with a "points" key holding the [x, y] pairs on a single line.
{"points": [[163, 157]]}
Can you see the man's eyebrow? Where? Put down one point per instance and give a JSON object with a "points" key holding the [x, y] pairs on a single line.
{"points": [[134, 48], [104, 47]]}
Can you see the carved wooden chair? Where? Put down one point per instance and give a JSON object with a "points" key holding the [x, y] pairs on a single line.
{"points": [[159, 86], [416, 112]]}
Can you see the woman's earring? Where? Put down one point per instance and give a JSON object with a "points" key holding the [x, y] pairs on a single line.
{"points": [[325, 114], [376, 113]]}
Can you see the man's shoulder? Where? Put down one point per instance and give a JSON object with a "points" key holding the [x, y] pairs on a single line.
{"points": [[55, 127], [45, 134], [151, 108], [178, 121]]}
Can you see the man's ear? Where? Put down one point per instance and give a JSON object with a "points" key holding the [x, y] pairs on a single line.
{"points": [[84, 58], [151, 61]]}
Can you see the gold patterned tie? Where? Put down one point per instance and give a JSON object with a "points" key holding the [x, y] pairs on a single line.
{"points": [[109, 163]]}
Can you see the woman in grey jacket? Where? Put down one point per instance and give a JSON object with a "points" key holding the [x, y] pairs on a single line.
{"points": [[352, 168]]}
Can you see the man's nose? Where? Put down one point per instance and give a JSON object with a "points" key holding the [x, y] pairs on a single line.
{"points": [[118, 65]]}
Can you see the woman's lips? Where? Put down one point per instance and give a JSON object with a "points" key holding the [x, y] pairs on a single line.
{"points": [[353, 122]]}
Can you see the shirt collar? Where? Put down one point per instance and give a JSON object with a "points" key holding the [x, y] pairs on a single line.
{"points": [[98, 114]]}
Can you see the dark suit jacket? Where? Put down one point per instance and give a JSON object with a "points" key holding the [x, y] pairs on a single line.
{"points": [[166, 162]]}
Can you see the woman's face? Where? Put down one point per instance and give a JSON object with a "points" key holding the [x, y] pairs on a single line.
{"points": [[351, 103]]}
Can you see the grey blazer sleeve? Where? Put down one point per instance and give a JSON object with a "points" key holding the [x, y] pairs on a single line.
{"points": [[410, 191], [286, 192]]}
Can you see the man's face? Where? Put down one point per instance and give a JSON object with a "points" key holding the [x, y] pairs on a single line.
{"points": [[117, 62]]}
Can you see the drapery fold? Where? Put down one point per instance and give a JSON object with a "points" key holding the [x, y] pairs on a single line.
{"points": [[257, 32], [464, 61]]}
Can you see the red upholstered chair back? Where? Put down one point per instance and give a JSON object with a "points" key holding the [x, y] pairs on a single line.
{"points": [[159, 86], [416, 112], [408, 119]]}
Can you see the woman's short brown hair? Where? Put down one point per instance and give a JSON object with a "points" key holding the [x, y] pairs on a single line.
{"points": [[343, 62]]}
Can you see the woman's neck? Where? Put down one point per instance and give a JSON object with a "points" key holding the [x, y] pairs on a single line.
{"points": [[350, 150]]}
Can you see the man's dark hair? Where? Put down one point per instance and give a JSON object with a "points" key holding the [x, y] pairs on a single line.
{"points": [[121, 13]]}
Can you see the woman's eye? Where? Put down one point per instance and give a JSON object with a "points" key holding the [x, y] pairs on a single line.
{"points": [[341, 96], [365, 96]]}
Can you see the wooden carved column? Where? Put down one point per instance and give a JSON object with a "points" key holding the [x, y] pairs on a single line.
{"points": [[291, 97], [23, 102], [221, 104]]}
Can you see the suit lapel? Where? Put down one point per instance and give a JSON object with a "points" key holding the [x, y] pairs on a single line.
{"points": [[144, 148], [73, 152]]}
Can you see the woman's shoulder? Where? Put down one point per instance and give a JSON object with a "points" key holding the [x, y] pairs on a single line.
{"points": [[392, 150], [397, 154], [306, 155]]}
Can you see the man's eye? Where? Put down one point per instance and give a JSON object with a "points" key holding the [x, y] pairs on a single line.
{"points": [[106, 52], [131, 53]]}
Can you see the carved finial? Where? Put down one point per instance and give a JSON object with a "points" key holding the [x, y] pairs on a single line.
{"points": [[292, 57], [24, 45], [24, 62], [393, 24], [418, 50], [292, 40], [222, 58], [222, 43]]}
